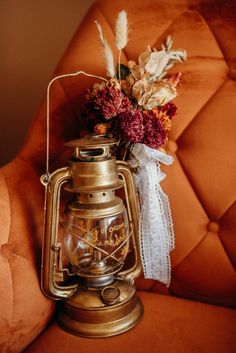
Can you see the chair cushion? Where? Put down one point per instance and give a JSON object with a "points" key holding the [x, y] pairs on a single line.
{"points": [[24, 310], [169, 325]]}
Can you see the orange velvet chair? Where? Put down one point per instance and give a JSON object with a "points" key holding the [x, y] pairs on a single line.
{"points": [[197, 312]]}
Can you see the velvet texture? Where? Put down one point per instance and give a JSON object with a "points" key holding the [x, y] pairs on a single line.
{"points": [[200, 185], [169, 325]]}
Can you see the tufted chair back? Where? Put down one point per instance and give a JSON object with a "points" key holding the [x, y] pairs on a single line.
{"points": [[200, 184]]}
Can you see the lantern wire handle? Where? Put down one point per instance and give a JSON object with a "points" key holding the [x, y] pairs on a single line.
{"points": [[45, 177]]}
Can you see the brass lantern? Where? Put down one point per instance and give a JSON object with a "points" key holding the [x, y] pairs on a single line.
{"points": [[86, 257]]}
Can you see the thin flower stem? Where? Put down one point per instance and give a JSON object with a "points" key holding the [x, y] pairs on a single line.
{"points": [[119, 60], [126, 151]]}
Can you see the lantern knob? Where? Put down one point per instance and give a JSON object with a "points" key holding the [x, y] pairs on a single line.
{"points": [[44, 179], [110, 295]]}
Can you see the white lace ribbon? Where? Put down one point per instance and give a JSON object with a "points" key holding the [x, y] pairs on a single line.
{"points": [[156, 233]]}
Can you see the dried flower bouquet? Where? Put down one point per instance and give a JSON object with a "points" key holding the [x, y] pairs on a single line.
{"points": [[135, 103]]}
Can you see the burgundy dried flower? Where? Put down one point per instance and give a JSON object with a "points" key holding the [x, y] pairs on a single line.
{"points": [[130, 126], [169, 108], [154, 133], [109, 102]]}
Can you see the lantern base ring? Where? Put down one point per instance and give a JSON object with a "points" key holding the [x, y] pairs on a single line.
{"points": [[87, 314]]}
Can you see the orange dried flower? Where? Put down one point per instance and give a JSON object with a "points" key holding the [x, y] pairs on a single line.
{"points": [[101, 129], [163, 118]]}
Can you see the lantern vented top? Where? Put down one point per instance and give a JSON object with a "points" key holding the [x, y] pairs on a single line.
{"points": [[92, 147]]}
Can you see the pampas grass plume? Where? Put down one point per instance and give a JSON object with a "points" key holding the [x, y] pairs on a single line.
{"points": [[109, 60], [100, 33], [121, 30], [107, 52]]}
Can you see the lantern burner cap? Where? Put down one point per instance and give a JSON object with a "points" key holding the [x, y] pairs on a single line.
{"points": [[92, 140], [92, 147]]}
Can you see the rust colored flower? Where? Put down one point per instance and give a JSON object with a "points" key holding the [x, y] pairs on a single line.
{"points": [[101, 129], [163, 118]]}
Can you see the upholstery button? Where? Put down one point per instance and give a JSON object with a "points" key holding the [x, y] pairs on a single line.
{"points": [[171, 146], [6, 250], [213, 227]]}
